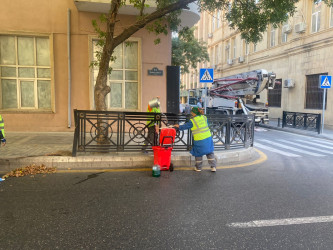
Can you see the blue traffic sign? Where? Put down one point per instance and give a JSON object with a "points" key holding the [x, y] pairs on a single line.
{"points": [[325, 82], [206, 75]]}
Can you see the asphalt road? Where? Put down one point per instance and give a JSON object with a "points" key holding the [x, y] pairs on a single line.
{"points": [[285, 202]]}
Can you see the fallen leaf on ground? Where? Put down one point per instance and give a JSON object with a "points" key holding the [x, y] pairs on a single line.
{"points": [[30, 170]]}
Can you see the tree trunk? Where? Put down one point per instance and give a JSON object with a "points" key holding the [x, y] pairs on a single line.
{"points": [[111, 42], [101, 87]]}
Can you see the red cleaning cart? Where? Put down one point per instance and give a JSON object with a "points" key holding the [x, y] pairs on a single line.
{"points": [[162, 153]]}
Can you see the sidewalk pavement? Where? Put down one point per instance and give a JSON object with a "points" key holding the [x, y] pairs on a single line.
{"points": [[54, 149]]}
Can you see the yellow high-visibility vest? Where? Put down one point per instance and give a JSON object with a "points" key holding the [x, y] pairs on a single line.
{"points": [[200, 129], [153, 110], [2, 127]]}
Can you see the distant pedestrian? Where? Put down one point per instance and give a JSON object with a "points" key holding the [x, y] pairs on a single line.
{"points": [[181, 108], [199, 104], [202, 139], [187, 109], [2, 131]]}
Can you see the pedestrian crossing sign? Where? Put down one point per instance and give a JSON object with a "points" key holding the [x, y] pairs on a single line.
{"points": [[206, 75], [325, 82]]}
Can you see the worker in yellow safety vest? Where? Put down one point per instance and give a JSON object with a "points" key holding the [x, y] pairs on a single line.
{"points": [[202, 139], [153, 107], [2, 131]]}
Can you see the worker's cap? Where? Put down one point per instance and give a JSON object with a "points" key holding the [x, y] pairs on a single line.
{"points": [[196, 110]]}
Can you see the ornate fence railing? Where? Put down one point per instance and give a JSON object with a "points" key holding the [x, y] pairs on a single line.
{"points": [[128, 131], [298, 120]]}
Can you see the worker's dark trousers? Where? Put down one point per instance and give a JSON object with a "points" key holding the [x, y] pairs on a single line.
{"points": [[151, 138], [210, 158]]}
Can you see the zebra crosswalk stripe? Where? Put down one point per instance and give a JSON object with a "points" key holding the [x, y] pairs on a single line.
{"points": [[290, 148], [319, 144], [307, 147], [256, 144]]}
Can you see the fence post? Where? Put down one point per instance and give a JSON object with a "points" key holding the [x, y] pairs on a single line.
{"points": [[319, 123], [252, 130], [305, 123], [294, 120], [228, 134], [76, 133], [284, 116]]}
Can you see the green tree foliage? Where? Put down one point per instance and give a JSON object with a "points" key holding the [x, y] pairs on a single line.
{"points": [[187, 51], [246, 16]]}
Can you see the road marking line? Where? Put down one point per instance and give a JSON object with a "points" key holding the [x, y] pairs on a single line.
{"points": [[291, 148], [319, 145], [330, 143], [262, 158], [275, 150], [281, 222], [307, 147]]}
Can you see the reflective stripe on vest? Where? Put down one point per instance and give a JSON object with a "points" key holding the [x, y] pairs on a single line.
{"points": [[200, 129]]}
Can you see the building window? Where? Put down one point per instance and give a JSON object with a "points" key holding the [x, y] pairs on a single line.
{"points": [[227, 51], [211, 57], [217, 59], [285, 30], [314, 94], [218, 21], [124, 78], [274, 95], [25, 73], [213, 22], [234, 51], [272, 38], [315, 18]]}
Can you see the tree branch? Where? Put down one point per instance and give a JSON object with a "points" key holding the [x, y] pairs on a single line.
{"points": [[151, 17], [142, 7]]}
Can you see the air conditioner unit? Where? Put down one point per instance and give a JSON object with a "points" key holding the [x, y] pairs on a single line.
{"points": [[300, 27], [241, 59], [289, 83], [229, 61], [210, 35], [227, 46], [286, 28]]}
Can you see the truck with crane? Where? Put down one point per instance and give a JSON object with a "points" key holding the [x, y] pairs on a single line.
{"points": [[239, 94]]}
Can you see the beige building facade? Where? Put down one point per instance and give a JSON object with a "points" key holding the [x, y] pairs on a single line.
{"points": [[298, 52], [46, 47]]}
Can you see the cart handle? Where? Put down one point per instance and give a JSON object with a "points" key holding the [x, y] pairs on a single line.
{"points": [[167, 137]]}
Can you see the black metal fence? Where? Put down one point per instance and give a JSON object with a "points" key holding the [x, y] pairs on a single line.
{"points": [[298, 120], [128, 131]]}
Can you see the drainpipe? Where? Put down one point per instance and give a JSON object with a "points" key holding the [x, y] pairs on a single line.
{"points": [[69, 67]]}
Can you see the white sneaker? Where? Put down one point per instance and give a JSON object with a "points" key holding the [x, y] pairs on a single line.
{"points": [[197, 169], [213, 169]]}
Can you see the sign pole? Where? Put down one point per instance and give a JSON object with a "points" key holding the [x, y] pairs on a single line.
{"points": [[323, 113], [205, 96]]}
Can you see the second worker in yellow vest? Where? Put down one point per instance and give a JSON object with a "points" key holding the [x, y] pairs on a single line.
{"points": [[2, 131], [202, 139], [151, 139]]}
